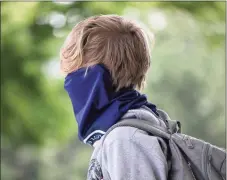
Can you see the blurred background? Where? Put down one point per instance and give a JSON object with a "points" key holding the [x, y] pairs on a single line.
{"points": [[38, 130]]}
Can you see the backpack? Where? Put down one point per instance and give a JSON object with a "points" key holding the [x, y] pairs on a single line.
{"points": [[189, 158]]}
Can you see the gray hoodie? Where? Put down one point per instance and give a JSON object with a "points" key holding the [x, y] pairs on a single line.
{"points": [[129, 153]]}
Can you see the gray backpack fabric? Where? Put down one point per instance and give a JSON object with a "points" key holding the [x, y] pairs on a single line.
{"points": [[190, 158]]}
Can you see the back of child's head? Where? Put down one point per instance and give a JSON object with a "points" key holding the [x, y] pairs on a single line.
{"points": [[121, 45]]}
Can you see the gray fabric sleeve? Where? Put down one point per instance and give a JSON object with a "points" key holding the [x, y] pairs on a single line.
{"points": [[137, 158]]}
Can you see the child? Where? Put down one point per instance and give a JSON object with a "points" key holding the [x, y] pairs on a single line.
{"points": [[106, 59]]}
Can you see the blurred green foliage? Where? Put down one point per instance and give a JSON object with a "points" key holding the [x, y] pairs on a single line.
{"points": [[38, 130]]}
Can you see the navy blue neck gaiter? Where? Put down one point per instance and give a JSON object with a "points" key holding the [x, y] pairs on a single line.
{"points": [[95, 103]]}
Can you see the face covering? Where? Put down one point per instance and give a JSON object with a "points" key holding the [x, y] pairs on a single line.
{"points": [[96, 104]]}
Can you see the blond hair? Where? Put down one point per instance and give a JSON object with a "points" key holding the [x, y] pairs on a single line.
{"points": [[119, 44]]}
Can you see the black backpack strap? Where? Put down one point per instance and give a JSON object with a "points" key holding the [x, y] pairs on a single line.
{"points": [[142, 125]]}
